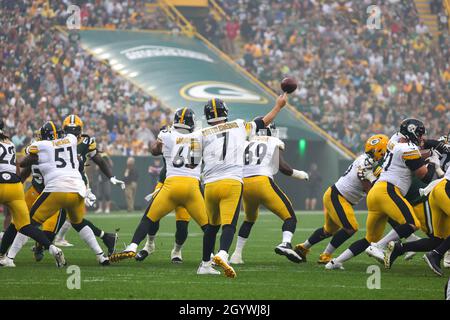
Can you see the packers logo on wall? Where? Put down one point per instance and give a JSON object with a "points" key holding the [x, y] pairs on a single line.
{"points": [[206, 90]]}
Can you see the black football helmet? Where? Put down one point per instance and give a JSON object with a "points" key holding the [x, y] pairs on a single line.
{"points": [[216, 110], [51, 131], [184, 119], [268, 130], [413, 129], [2, 125]]}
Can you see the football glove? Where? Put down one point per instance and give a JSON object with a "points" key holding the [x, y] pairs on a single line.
{"points": [[115, 181], [302, 175], [150, 196], [426, 191], [366, 174], [90, 198]]}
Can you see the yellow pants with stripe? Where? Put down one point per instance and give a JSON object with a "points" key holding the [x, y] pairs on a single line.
{"points": [[440, 209], [422, 211], [385, 201], [338, 211], [52, 223], [48, 203], [178, 192], [261, 190], [181, 214], [13, 197], [223, 201]]}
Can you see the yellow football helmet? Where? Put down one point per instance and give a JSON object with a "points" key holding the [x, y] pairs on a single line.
{"points": [[73, 124], [376, 146]]}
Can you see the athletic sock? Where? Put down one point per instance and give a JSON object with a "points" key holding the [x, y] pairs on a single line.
{"points": [[36, 234], [338, 239], [244, 230], [8, 238], [316, 237], [240, 244], [209, 241], [177, 247], [181, 232], [63, 231], [329, 249], [287, 237], [359, 246], [226, 238], [19, 241], [132, 247], [153, 228], [391, 236], [142, 230], [289, 225], [98, 233], [88, 236], [346, 255], [443, 247], [421, 245]]}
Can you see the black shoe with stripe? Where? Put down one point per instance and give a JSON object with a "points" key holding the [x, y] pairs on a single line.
{"points": [[434, 262]]}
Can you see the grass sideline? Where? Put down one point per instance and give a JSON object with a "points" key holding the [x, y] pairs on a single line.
{"points": [[265, 275]]}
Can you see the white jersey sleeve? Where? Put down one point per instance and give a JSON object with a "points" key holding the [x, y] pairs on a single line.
{"points": [[447, 173], [261, 157], [7, 157], [395, 170], [223, 150], [182, 153], [58, 164], [349, 185]]}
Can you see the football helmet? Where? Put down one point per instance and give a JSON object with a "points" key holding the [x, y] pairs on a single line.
{"points": [[73, 124], [413, 129], [2, 125], [268, 130], [50, 131], [215, 110], [184, 119], [376, 146]]}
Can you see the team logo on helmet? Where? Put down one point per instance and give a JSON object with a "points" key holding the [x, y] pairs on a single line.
{"points": [[412, 128], [374, 142]]}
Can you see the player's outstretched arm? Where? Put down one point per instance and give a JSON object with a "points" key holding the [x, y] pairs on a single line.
{"points": [[287, 170], [29, 160], [107, 171], [24, 173], [279, 104], [156, 148]]}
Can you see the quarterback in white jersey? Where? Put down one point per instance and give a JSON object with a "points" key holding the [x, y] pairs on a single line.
{"points": [[262, 160], [181, 149], [386, 199], [223, 146], [339, 199]]}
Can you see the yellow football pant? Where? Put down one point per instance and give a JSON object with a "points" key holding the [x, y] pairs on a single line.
{"points": [[338, 211], [181, 214], [48, 203], [261, 190], [422, 212], [223, 201], [440, 209], [52, 223], [178, 192], [13, 197], [385, 201]]}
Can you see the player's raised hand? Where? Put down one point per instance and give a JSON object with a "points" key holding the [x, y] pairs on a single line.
{"points": [[115, 181], [281, 100]]}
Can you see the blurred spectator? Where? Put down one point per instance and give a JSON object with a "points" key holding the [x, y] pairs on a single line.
{"points": [[314, 187], [155, 170], [103, 189], [131, 178]]}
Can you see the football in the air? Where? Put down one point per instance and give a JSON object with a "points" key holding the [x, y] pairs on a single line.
{"points": [[288, 85]]}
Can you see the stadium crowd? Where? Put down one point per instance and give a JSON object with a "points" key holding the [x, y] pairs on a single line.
{"points": [[353, 80], [46, 76]]}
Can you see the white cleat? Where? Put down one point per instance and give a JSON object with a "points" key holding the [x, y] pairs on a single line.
{"points": [[62, 243], [58, 255], [221, 260], [176, 257], [236, 259], [333, 265], [447, 259], [150, 246], [206, 268], [409, 255], [376, 252], [104, 261], [7, 262]]}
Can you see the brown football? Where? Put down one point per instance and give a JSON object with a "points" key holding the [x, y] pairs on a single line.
{"points": [[288, 85]]}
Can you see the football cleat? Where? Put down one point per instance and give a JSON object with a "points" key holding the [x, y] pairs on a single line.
{"points": [[236, 259], [334, 265], [104, 261], [206, 268], [447, 260], [176, 257], [393, 251], [434, 262], [38, 252], [58, 255], [409, 255], [220, 260], [285, 249], [116, 257], [110, 241], [7, 262], [301, 251], [62, 243], [1, 236], [376, 252], [324, 258], [141, 255]]}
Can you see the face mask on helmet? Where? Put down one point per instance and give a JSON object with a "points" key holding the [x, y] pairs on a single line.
{"points": [[215, 111]]}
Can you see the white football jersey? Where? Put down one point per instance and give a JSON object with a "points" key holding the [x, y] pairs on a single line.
{"points": [[262, 155], [181, 151], [7, 157], [223, 149], [445, 161], [395, 170], [447, 173], [58, 164], [349, 185]]}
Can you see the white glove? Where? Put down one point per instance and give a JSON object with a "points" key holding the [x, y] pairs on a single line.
{"points": [[434, 159], [90, 198], [426, 191], [117, 181], [302, 175], [150, 196]]}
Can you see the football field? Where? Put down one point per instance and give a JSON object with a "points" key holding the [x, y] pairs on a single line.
{"points": [[265, 275]]}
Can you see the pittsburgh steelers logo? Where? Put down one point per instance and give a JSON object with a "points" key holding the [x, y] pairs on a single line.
{"points": [[206, 90], [412, 128], [6, 176]]}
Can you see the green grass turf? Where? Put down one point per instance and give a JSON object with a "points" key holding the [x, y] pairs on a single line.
{"points": [[265, 275]]}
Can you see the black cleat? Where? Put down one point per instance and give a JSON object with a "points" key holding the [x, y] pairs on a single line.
{"points": [[393, 251], [110, 241], [141, 255], [38, 252], [434, 262], [285, 249]]}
